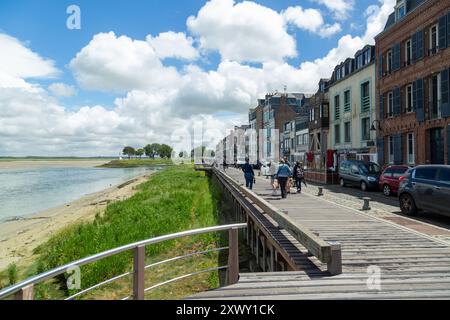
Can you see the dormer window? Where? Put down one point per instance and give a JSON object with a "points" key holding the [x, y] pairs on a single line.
{"points": [[400, 10]]}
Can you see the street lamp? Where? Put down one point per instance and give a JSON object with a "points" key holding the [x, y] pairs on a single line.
{"points": [[373, 128]]}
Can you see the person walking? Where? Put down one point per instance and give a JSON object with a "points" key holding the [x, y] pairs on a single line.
{"points": [[249, 174], [283, 174], [299, 176]]}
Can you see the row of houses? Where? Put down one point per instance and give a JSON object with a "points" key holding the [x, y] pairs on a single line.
{"points": [[389, 103]]}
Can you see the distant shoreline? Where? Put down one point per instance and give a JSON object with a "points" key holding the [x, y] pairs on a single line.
{"points": [[48, 163]]}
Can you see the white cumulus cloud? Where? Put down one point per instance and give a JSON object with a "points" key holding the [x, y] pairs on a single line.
{"points": [[111, 63], [173, 45], [244, 31], [59, 89], [340, 8], [310, 20]]}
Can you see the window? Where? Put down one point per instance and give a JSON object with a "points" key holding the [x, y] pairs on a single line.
{"points": [[367, 57], [325, 110], [390, 104], [347, 103], [400, 10], [337, 134], [337, 107], [365, 128], [426, 173], [388, 173], [389, 61], [391, 149], [435, 96], [397, 173], [433, 39], [444, 175], [365, 97], [408, 52], [347, 132], [410, 145], [409, 98], [359, 61]]}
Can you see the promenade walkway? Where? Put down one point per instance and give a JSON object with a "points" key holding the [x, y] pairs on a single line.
{"points": [[380, 260]]}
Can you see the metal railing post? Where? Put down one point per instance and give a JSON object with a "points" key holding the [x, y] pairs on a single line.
{"points": [[139, 273], [233, 257], [26, 293]]}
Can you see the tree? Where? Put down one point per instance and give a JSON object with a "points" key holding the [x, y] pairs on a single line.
{"points": [[199, 150], [165, 151], [151, 150], [140, 153], [129, 151], [203, 152]]}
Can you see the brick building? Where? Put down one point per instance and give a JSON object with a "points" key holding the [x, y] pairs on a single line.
{"points": [[319, 126], [279, 109], [413, 61], [255, 120]]}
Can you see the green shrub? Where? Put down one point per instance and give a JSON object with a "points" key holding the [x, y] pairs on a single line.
{"points": [[13, 273]]}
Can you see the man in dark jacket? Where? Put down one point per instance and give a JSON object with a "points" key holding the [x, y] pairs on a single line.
{"points": [[299, 176], [249, 174]]}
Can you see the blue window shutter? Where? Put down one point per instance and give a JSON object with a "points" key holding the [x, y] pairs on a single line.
{"points": [[380, 151], [419, 100], [398, 149], [397, 102], [414, 47], [420, 44], [445, 93], [396, 57], [443, 32], [381, 107], [448, 144], [380, 66], [448, 29]]}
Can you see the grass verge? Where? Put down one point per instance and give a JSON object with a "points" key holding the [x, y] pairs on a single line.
{"points": [[133, 163]]}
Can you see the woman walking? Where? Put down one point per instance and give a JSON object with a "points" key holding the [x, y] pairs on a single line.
{"points": [[283, 174]]}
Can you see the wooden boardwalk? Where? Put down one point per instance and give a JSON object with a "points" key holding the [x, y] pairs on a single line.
{"points": [[412, 265]]}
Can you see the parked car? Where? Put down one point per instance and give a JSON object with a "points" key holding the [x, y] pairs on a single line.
{"points": [[425, 188], [389, 179], [359, 173]]}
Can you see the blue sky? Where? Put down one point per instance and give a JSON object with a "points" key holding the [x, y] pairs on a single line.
{"points": [[40, 27], [42, 24]]}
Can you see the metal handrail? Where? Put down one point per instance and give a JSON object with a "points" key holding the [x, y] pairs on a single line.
{"points": [[180, 278], [146, 267], [63, 269]]}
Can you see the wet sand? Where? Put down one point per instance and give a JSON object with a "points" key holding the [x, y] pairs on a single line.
{"points": [[18, 238]]}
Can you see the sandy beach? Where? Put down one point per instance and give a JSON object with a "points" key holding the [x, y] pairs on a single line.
{"points": [[18, 238]]}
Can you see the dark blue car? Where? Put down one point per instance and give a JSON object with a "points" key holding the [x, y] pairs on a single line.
{"points": [[425, 188]]}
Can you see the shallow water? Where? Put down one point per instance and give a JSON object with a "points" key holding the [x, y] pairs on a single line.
{"points": [[24, 192]]}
